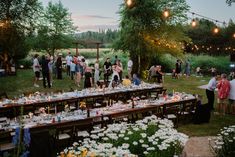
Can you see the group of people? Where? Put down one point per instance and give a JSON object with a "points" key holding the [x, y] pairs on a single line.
{"points": [[176, 72], [156, 74], [77, 69], [115, 70], [226, 93]]}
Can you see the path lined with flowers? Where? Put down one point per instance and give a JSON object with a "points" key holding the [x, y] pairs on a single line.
{"points": [[198, 147]]}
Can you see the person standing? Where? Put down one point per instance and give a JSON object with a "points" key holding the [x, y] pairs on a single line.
{"points": [[45, 72], [59, 68], [187, 68], [178, 68], [50, 66], [107, 70], [88, 78], [223, 93], [68, 59], [231, 107], [210, 92], [97, 72], [119, 69], [72, 69], [36, 70], [78, 73], [129, 67]]}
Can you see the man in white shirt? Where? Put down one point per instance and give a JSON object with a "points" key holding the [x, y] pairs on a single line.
{"points": [[210, 91], [231, 107], [129, 67], [36, 70], [68, 59]]}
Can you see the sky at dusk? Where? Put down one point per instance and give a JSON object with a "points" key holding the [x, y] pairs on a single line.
{"points": [[102, 14]]}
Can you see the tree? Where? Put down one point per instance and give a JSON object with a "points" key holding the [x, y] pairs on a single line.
{"points": [[229, 2], [204, 40], [56, 28], [146, 32], [17, 21]]}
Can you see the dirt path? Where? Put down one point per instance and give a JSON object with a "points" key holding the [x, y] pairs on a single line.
{"points": [[198, 147]]}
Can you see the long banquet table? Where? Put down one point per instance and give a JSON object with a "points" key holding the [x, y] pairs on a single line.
{"points": [[78, 119], [118, 111], [79, 96]]}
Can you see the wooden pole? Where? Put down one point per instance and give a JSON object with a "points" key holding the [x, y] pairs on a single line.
{"points": [[77, 53], [97, 46]]}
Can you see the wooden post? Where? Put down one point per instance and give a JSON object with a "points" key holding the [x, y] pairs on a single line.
{"points": [[77, 53], [97, 46]]}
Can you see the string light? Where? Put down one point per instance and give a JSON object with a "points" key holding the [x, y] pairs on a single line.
{"points": [[194, 23], [166, 14], [234, 35], [216, 30], [129, 3]]}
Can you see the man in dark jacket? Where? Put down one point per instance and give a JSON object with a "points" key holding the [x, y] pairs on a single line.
{"points": [[45, 71]]}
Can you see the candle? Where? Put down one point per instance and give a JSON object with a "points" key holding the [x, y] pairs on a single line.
{"points": [[55, 109]]}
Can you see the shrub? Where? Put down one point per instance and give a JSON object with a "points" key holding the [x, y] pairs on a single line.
{"points": [[26, 62], [225, 142], [206, 62]]}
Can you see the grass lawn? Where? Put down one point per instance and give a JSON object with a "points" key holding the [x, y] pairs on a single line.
{"points": [[23, 83]]}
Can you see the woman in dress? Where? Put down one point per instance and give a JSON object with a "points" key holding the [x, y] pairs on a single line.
{"points": [[97, 72], [59, 68], [88, 78]]}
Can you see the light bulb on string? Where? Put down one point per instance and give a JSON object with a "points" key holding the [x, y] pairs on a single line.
{"points": [[166, 14], [216, 30], [128, 3], [194, 23], [234, 35]]}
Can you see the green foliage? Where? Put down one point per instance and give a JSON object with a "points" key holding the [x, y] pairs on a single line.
{"points": [[229, 2], [225, 142], [26, 62], [105, 37], [207, 42], [206, 62], [55, 29], [143, 23], [18, 20]]}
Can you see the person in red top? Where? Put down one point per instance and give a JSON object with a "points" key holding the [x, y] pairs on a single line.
{"points": [[223, 92]]}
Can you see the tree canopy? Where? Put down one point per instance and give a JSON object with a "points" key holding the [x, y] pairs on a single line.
{"points": [[17, 22], [55, 30], [146, 32], [229, 2], [204, 40]]}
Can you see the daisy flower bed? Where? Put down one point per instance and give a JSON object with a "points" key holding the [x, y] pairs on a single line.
{"points": [[150, 137]]}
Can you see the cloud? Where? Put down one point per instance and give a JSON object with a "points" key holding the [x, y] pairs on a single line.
{"points": [[85, 28], [91, 17]]}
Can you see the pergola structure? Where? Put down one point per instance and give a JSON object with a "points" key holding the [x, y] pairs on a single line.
{"points": [[86, 42]]}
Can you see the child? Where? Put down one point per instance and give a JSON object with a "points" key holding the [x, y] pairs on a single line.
{"points": [[72, 69]]}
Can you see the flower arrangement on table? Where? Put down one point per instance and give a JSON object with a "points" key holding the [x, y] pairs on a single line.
{"points": [[224, 143], [148, 137], [82, 105]]}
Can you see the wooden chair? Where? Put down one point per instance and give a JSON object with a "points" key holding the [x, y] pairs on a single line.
{"points": [[186, 112], [82, 129], [3, 95], [171, 112], [64, 135], [6, 144]]}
